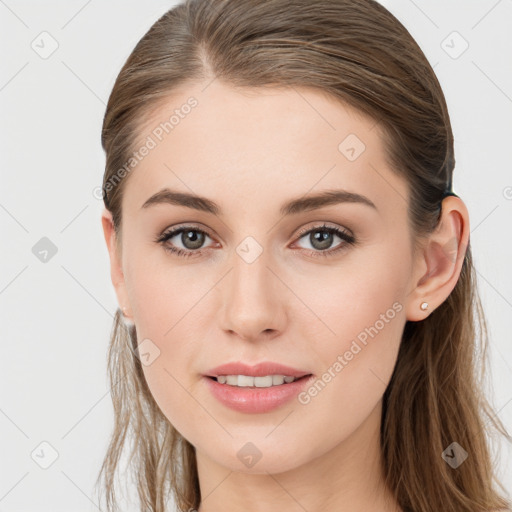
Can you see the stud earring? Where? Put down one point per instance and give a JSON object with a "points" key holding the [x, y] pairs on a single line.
{"points": [[424, 306], [127, 321]]}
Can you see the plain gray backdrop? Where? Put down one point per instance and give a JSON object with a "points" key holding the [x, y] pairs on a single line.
{"points": [[59, 62]]}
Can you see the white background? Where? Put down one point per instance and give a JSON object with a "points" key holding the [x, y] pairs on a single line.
{"points": [[56, 316]]}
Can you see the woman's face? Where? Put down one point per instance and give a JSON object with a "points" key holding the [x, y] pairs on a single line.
{"points": [[260, 282]]}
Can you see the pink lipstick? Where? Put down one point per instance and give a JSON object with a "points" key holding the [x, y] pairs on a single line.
{"points": [[256, 389]]}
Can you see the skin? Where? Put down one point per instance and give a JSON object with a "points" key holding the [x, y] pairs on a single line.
{"points": [[250, 151]]}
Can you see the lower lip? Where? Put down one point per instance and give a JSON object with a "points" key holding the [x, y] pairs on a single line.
{"points": [[256, 400]]}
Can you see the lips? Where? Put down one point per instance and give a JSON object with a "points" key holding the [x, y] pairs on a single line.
{"points": [[258, 370], [256, 400]]}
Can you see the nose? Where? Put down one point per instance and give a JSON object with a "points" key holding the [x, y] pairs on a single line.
{"points": [[253, 300]]}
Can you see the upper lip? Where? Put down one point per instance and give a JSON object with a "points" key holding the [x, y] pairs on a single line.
{"points": [[258, 370]]}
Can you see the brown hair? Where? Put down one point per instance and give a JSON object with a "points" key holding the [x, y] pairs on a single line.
{"points": [[359, 53]]}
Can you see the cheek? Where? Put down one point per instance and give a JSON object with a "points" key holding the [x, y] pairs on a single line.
{"points": [[161, 291], [362, 293], [167, 302], [357, 361], [365, 313]]}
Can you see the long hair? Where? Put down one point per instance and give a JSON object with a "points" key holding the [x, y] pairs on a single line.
{"points": [[359, 53]]}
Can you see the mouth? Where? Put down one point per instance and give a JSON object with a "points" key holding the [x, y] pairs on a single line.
{"points": [[259, 388], [251, 394]]}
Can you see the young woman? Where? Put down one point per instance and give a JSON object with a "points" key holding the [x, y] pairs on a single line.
{"points": [[299, 325]]}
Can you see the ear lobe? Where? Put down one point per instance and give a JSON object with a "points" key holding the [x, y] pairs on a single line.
{"points": [[443, 256]]}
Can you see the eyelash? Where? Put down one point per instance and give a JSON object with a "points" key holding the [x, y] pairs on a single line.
{"points": [[344, 235]]}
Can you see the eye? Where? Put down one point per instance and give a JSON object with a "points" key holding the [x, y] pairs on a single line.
{"points": [[321, 238], [190, 238]]}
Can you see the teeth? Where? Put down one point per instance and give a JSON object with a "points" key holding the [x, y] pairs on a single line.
{"points": [[277, 380], [260, 382]]}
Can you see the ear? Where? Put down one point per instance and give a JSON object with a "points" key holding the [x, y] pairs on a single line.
{"points": [[438, 264], [116, 271]]}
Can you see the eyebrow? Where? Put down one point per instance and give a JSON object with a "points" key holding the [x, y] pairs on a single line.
{"points": [[295, 206]]}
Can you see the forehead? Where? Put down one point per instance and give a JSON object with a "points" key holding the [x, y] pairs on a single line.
{"points": [[238, 144]]}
